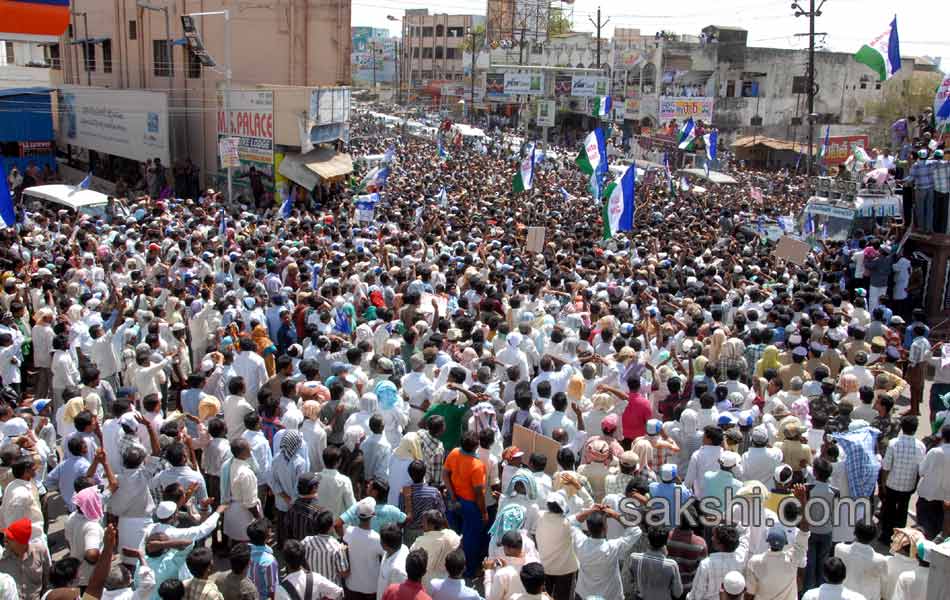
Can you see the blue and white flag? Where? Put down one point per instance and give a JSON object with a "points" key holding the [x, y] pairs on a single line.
{"points": [[223, 225], [84, 184], [442, 153], [669, 175], [287, 206], [6, 199], [711, 140], [564, 194], [376, 178], [390, 154], [687, 134], [684, 184], [442, 198], [809, 226], [619, 203]]}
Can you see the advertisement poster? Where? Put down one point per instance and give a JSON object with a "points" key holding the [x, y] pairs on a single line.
{"points": [[228, 149], [942, 92], [631, 105], [585, 86], [494, 84], [252, 123], [128, 123], [672, 107], [524, 83], [839, 147], [546, 112], [562, 85]]}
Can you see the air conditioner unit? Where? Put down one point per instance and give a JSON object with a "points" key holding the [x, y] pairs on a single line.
{"points": [[796, 121], [756, 121]]}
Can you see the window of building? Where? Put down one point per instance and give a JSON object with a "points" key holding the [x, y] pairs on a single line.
{"points": [[537, 48], [162, 58], [133, 30], [877, 85], [455, 31], [439, 31], [106, 56], [8, 50], [194, 65], [69, 30], [859, 115], [426, 32], [750, 89], [730, 89], [53, 57], [427, 53], [865, 80], [453, 53], [439, 52], [415, 52], [89, 56], [458, 77], [427, 74]]}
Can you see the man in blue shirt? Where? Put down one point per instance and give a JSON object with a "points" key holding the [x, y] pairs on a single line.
{"points": [[453, 587], [718, 482]]}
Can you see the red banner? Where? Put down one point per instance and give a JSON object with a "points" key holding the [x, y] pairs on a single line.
{"points": [[839, 147]]}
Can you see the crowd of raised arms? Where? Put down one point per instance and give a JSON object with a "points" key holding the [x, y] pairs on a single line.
{"points": [[201, 402]]}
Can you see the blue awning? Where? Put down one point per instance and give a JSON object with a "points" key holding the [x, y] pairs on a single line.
{"points": [[26, 115]]}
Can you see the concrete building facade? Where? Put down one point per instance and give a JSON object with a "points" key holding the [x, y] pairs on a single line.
{"points": [[432, 47], [120, 44]]}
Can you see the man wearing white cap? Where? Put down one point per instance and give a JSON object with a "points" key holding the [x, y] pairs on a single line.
{"points": [[733, 586], [663, 445], [759, 461], [667, 490]]}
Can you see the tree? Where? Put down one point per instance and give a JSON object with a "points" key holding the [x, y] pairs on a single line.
{"points": [[901, 99], [558, 23]]}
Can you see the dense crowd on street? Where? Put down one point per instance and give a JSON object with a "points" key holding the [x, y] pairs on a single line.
{"points": [[207, 401]]}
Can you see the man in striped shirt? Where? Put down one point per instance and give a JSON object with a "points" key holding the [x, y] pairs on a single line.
{"points": [[657, 577], [264, 572], [687, 549], [416, 499], [325, 554]]}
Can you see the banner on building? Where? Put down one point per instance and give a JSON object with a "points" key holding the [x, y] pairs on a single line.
{"points": [[586, 86], [562, 85], [633, 58], [252, 123], [129, 123], [682, 108], [524, 83], [546, 111], [494, 84], [939, 98], [839, 148]]}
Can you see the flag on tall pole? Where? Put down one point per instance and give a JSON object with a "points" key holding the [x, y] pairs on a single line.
{"points": [[287, 207], [84, 184], [524, 176], [619, 203], [594, 155], [442, 153], [711, 140], [6, 199], [669, 175], [223, 225], [687, 135], [882, 54], [823, 150]]}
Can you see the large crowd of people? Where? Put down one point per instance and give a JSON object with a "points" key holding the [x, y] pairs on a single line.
{"points": [[202, 401]]}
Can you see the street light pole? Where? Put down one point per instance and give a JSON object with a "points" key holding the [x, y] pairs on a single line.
{"points": [[471, 97], [168, 46], [227, 78]]}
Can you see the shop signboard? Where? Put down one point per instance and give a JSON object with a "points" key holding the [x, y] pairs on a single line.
{"points": [[682, 108], [524, 83], [562, 85], [586, 86], [546, 112], [132, 124], [839, 148], [252, 123], [494, 85]]}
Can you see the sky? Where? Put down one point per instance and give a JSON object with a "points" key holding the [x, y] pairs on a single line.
{"points": [[771, 23]]}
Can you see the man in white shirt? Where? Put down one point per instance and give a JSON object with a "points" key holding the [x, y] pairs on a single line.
{"points": [[235, 407], [599, 558], [866, 569], [336, 490], [393, 567], [884, 160], [759, 461], [730, 554], [899, 471], [933, 490], [42, 335], [703, 460], [365, 551], [250, 365], [556, 547], [418, 390], [834, 587]]}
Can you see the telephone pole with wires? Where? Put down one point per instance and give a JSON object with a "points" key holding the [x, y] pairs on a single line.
{"points": [[811, 13], [599, 25]]}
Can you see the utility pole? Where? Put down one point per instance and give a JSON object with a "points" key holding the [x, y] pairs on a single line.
{"points": [[471, 95], [599, 25], [811, 13], [372, 53]]}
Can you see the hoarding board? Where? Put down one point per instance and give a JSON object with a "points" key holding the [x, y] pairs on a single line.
{"points": [[252, 123], [681, 109]]}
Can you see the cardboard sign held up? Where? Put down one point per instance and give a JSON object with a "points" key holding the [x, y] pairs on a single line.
{"points": [[535, 241], [792, 250], [529, 441]]}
